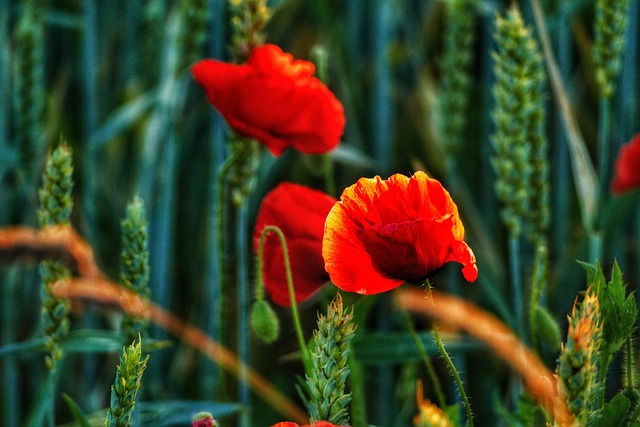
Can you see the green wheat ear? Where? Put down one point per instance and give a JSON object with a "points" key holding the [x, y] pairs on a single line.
{"points": [[519, 141], [195, 16], [248, 20], [243, 162], [328, 400], [578, 363], [134, 264], [126, 385], [55, 209], [459, 38], [30, 98], [610, 26]]}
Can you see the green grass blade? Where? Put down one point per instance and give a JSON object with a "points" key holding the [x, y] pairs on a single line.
{"points": [[76, 411]]}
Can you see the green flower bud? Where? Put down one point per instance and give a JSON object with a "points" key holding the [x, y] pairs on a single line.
{"points": [[264, 322]]}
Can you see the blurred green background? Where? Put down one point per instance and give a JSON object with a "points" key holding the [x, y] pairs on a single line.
{"points": [[111, 78]]}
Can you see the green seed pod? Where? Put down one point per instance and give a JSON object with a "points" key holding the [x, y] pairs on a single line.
{"points": [[264, 322]]}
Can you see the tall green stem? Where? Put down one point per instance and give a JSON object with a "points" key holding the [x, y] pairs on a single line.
{"points": [[220, 219], [218, 299], [450, 365], [629, 367], [306, 357], [516, 282], [242, 280], [537, 288], [604, 131], [454, 372], [437, 387]]}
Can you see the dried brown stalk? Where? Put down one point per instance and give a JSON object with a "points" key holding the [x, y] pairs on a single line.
{"points": [[61, 241]]}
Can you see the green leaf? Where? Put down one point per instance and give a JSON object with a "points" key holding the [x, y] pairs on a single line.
{"points": [[619, 313], [78, 414], [613, 412], [123, 118], [400, 347], [528, 413], [42, 401], [92, 341], [547, 328], [101, 341], [23, 348], [352, 156], [453, 413]]}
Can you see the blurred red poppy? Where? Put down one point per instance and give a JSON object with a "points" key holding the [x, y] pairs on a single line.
{"points": [[383, 233], [299, 212], [316, 424], [627, 173], [274, 99]]}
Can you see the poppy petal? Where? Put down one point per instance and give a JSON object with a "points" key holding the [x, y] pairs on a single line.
{"points": [[346, 259], [627, 167], [299, 212], [383, 233], [270, 59], [274, 99]]}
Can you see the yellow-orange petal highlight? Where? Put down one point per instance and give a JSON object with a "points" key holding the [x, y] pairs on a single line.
{"points": [[430, 415], [383, 233]]}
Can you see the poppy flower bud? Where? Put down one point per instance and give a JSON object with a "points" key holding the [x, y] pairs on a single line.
{"points": [[264, 322], [204, 419]]}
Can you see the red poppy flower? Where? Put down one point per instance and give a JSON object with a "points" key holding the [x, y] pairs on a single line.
{"points": [[383, 233], [299, 212], [274, 99], [627, 174], [316, 424]]}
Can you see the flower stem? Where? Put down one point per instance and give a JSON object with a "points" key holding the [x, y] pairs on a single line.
{"points": [[454, 372], [450, 364], [221, 224], [437, 387], [604, 131], [629, 361], [51, 401], [244, 393], [537, 288], [306, 357], [603, 385]]}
